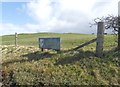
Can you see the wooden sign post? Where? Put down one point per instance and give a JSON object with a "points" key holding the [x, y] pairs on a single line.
{"points": [[15, 39], [100, 39]]}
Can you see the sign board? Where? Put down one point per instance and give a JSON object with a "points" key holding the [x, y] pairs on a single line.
{"points": [[119, 8], [49, 43]]}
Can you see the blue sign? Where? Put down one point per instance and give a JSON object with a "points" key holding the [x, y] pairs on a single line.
{"points": [[49, 43]]}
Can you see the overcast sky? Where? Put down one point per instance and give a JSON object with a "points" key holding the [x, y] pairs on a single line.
{"points": [[61, 16]]}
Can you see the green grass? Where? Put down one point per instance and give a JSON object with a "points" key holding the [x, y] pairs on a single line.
{"points": [[67, 40], [27, 65]]}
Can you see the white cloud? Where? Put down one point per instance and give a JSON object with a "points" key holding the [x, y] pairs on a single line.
{"points": [[57, 15], [104, 8], [14, 0], [63, 15], [77, 5], [9, 28], [40, 10]]}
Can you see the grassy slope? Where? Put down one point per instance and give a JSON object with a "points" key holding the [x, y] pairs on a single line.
{"points": [[31, 66]]}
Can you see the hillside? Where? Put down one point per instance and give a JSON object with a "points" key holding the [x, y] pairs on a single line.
{"points": [[27, 65]]}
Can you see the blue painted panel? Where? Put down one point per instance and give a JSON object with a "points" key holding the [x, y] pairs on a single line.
{"points": [[49, 43]]}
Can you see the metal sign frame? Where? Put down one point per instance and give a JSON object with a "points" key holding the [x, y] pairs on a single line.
{"points": [[49, 43]]}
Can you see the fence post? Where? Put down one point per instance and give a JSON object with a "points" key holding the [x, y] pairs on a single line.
{"points": [[100, 39], [15, 39], [119, 26]]}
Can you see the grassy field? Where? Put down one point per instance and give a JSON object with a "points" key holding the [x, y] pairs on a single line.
{"points": [[67, 40], [27, 65]]}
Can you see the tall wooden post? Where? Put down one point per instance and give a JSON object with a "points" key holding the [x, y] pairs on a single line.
{"points": [[15, 39], [0, 62], [100, 39], [118, 34], [118, 25]]}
